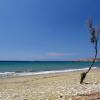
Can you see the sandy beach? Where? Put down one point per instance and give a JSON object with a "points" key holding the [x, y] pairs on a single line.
{"points": [[59, 86]]}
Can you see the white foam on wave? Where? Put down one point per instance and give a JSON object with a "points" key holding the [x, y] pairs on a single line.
{"points": [[40, 73], [7, 73], [51, 72]]}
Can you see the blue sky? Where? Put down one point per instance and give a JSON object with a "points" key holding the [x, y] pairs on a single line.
{"points": [[46, 29]]}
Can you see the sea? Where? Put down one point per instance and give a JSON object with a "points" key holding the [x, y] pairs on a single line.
{"points": [[24, 68]]}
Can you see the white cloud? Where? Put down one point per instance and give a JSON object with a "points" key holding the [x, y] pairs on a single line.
{"points": [[60, 54]]}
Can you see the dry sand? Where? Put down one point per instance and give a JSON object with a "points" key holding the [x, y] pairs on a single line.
{"points": [[60, 86]]}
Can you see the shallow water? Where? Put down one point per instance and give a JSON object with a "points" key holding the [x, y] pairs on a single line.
{"points": [[41, 67]]}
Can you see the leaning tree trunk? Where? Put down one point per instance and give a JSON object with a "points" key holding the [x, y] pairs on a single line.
{"points": [[83, 75]]}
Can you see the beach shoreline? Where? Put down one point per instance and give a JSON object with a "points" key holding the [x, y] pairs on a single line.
{"points": [[52, 86], [28, 73]]}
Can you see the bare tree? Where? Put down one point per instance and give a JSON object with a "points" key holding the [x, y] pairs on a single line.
{"points": [[94, 40]]}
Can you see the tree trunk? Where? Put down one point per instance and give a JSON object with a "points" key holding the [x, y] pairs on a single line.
{"points": [[83, 74]]}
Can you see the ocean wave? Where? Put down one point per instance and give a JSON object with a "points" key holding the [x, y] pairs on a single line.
{"points": [[8, 74]]}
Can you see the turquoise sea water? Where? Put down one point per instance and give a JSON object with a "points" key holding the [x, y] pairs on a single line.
{"points": [[39, 66]]}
